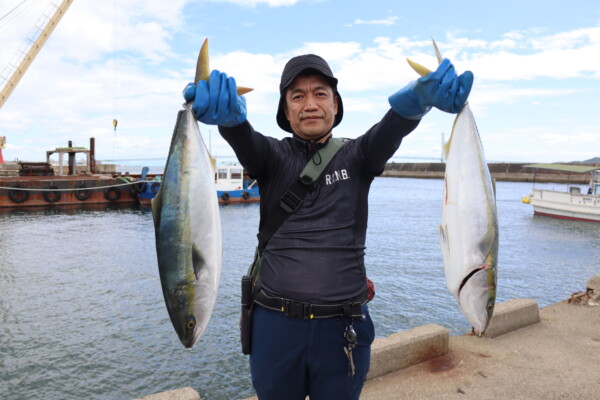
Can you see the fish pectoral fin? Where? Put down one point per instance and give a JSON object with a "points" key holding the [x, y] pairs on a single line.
{"points": [[487, 242], [156, 207], [444, 242], [197, 261], [447, 148]]}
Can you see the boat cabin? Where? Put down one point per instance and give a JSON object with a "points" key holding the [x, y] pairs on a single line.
{"points": [[232, 177], [235, 185], [595, 182]]}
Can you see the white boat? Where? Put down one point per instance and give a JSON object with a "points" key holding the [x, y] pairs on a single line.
{"points": [[235, 186], [569, 204]]}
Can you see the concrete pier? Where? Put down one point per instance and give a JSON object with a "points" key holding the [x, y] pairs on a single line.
{"points": [[404, 349], [526, 353], [511, 172], [177, 394]]}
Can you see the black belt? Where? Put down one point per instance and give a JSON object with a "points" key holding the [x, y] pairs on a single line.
{"points": [[299, 309]]}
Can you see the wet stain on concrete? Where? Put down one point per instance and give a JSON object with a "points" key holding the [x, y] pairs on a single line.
{"points": [[441, 364]]}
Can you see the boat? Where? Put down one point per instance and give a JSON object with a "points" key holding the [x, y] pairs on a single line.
{"points": [[573, 203], [34, 184], [147, 186], [233, 184]]}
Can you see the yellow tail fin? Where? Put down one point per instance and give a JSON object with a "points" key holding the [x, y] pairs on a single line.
{"points": [[203, 68]]}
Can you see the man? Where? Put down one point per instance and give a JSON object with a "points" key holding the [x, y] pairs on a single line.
{"points": [[316, 257]]}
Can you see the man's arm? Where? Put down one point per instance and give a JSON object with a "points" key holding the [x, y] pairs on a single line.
{"points": [[383, 139], [251, 148], [442, 89]]}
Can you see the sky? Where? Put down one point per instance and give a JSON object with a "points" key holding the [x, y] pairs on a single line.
{"points": [[536, 63]]}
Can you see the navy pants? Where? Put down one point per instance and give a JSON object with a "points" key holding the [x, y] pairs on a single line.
{"points": [[292, 358]]}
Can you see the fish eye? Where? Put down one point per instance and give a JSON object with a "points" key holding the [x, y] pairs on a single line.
{"points": [[191, 324], [490, 307]]}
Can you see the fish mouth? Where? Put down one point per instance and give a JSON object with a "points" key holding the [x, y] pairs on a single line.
{"points": [[476, 297]]}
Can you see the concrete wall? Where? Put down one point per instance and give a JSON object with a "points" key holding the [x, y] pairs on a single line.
{"points": [[513, 172]]}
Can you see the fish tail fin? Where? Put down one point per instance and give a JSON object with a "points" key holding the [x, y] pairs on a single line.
{"points": [[203, 64], [203, 68], [419, 69], [437, 52]]}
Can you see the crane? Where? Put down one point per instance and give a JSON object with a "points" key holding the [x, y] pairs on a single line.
{"points": [[24, 56]]}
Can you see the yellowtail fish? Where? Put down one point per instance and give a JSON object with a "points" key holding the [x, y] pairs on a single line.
{"points": [[469, 230], [188, 229]]}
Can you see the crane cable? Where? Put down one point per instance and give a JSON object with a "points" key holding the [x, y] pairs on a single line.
{"points": [[21, 11], [114, 83]]}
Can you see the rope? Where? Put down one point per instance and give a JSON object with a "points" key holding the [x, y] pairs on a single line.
{"points": [[68, 190]]}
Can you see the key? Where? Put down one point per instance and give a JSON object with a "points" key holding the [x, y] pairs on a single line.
{"points": [[351, 369]]}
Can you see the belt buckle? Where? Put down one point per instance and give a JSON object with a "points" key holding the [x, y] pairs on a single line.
{"points": [[296, 309]]}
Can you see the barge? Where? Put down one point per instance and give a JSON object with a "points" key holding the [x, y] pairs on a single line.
{"points": [[35, 184]]}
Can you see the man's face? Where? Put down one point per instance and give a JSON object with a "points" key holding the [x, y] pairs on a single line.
{"points": [[311, 106]]}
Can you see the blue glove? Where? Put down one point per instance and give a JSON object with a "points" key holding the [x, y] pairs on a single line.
{"points": [[216, 102], [441, 89]]}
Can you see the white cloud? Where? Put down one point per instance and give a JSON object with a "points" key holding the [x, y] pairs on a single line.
{"points": [[254, 3], [73, 92], [391, 20]]}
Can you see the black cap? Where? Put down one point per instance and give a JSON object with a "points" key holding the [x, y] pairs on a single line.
{"points": [[291, 70]]}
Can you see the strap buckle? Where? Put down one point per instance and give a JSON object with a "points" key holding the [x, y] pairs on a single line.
{"points": [[296, 309], [290, 202]]}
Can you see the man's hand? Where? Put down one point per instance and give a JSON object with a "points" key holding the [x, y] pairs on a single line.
{"points": [[441, 88], [216, 102]]}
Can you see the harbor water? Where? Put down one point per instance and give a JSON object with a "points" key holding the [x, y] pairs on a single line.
{"points": [[82, 313]]}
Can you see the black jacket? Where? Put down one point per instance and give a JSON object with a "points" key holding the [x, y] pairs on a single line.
{"points": [[317, 255]]}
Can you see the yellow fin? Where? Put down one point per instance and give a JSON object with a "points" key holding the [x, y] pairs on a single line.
{"points": [[243, 90], [203, 68], [447, 147], [437, 52], [421, 70], [203, 65]]}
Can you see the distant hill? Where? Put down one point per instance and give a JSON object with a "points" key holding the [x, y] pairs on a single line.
{"points": [[595, 160]]}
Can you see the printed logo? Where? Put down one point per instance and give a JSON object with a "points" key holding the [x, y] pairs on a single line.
{"points": [[341, 175]]}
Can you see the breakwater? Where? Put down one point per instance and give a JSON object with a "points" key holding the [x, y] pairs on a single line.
{"points": [[508, 172]]}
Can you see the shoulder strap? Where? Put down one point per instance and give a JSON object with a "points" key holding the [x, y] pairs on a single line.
{"points": [[319, 161], [293, 198]]}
